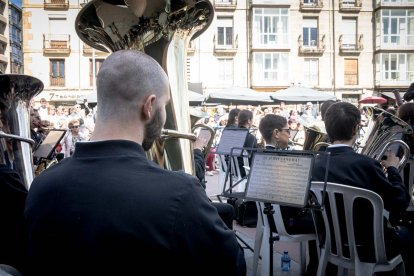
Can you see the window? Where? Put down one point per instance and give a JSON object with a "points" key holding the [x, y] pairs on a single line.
{"points": [[98, 63], [397, 67], [57, 72], [311, 71], [351, 72], [310, 32], [397, 27], [225, 32], [349, 33], [269, 68], [57, 24], [225, 71], [270, 27], [309, 2]]}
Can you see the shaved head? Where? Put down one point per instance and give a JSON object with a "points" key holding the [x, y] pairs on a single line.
{"points": [[126, 79]]}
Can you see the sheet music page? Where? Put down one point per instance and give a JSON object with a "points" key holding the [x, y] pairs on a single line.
{"points": [[231, 138], [49, 143], [282, 179]]}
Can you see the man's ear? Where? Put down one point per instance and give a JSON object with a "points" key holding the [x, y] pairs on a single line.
{"points": [[148, 106]]}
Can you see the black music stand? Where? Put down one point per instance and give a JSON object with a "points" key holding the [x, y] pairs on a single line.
{"points": [[46, 149]]}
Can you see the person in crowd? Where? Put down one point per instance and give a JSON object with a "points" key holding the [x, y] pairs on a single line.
{"points": [[52, 116], [342, 121], [36, 127], [245, 119], [108, 210], [43, 109], [232, 121], [73, 136], [276, 132]]}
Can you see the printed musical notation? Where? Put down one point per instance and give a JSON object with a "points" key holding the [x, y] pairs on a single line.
{"points": [[281, 179], [232, 138]]}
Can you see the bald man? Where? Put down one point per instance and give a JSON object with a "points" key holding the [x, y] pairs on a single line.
{"points": [[107, 210]]}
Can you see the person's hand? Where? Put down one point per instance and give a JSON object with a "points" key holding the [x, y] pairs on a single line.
{"points": [[391, 161]]}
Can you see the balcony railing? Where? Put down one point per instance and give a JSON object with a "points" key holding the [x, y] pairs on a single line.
{"points": [[394, 3], [351, 48], [191, 48], [57, 81], [226, 49], [225, 5], [316, 5], [56, 43], [88, 50], [56, 4], [316, 48], [350, 5]]}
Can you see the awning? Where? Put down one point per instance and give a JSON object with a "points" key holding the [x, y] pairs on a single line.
{"points": [[391, 94]]}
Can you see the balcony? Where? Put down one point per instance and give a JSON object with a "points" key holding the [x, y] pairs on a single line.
{"points": [[225, 5], [394, 3], [314, 49], [56, 43], [313, 6], [88, 51], [351, 49], [57, 81], [350, 5], [226, 49], [4, 40], [4, 59], [3, 19], [56, 4], [191, 48]]}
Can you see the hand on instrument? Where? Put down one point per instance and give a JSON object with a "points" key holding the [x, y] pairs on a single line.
{"points": [[391, 161]]}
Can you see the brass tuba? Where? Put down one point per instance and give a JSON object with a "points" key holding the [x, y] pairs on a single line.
{"points": [[314, 138], [161, 29], [16, 144], [383, 131]]}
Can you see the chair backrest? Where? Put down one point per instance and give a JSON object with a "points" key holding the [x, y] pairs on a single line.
{"points": [[340, 230]]}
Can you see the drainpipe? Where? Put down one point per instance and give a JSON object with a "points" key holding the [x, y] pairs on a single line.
{"points": [[333, 47]]}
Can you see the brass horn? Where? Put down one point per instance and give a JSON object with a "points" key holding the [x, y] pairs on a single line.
{"points": [[383, 131], [314, 138], [162, 29], [17, 91]]}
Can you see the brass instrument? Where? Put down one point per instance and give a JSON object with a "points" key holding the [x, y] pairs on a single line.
{"points": [[162, 29], [16, 93], [384, 130], [314, 138]]}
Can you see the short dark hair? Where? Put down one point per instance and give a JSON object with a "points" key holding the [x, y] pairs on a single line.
{"points": [[406, 113], [269, 123], [244, 116], [341, 120], [232, 116], [324, 107]]}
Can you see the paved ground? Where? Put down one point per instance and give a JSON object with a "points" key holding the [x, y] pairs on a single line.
{"points": [[247, 234]]}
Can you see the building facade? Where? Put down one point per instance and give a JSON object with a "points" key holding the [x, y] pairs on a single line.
{"points": [[4, 37], [54, 53], [349, 48], [15, 38], [269, 45]]}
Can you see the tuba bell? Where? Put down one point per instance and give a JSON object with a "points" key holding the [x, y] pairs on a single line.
{"points": [[383, 131], [163, 30], [17, 91], [314, 138]]}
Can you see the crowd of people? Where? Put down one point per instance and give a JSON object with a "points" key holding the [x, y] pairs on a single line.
{"points": [[105, 203]]}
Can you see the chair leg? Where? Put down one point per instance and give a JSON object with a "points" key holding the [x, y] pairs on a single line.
{"points": [[264, 252], [323, 263], [400, 269]]}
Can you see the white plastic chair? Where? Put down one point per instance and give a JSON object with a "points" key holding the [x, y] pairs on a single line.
{"points": [[331, 220], [262, 240]]}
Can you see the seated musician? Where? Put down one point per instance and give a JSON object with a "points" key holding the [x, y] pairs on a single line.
{"points": [[347, 167], [276, 133], [245, 119]]}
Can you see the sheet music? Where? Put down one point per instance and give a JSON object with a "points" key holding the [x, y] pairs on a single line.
{"points": [[282, 179], [232, 138], [49, 143]]}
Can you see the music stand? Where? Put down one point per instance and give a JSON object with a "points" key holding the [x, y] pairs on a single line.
{"points": [[284, 178], [49, 144]]}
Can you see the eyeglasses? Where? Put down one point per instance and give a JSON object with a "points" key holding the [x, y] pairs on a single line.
{"points": [[287, 130], [74, 127]]}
